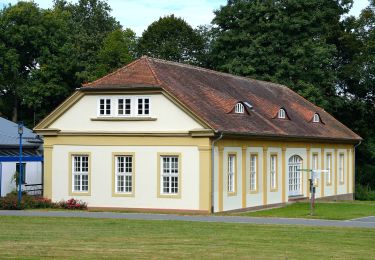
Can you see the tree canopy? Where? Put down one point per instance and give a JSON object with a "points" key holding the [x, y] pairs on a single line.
{"points": [[171, 38]]}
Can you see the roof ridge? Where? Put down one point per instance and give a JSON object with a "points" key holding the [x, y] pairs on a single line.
{"points": [[114, 72], [215, 72], [152, 69]]}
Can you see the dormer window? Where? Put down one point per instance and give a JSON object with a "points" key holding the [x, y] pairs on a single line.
{"points": [[316, 118], [239, 108], [281, 113]]}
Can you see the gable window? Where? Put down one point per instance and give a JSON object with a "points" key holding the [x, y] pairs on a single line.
{"points": [[341, 168], [170, 174], [316, 118], [80, 172], [23, 172], [273, 171], [329, 168], [231, 172], [253, 172], [104, 106], [239, 108], [124, 106], [124, 173], [281, 113], [143, 107]]}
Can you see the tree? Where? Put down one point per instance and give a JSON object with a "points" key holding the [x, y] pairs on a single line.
{"points": [[356, 88], [171, 38], [90, 23], [282, 41], [29, 41], [118, 49]]}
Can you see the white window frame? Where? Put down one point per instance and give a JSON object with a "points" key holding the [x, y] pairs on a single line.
{"points": [[239, 108], [341, 168], [124, 172], [231, 187], [281, 114], [273, 171], [253, 168], [105, 114], [79, 171], [329, 168], [123, 114], [136, 107], [316, 118], [170, 174]]}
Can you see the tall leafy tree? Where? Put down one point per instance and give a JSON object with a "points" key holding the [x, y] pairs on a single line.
{"points": [[356, 88], [30, 41], [171, 38], [284, 41], [118, 49]]}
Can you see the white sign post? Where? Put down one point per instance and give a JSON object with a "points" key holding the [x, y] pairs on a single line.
{"points": [[314, 176]]}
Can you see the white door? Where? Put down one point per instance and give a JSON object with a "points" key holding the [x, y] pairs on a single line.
{"points": [[295, 181]]}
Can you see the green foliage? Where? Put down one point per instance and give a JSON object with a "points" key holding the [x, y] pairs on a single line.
{"points": [[118, 49], [10, 202], [364, 192], [49, 53], [280, 41], [171, 38]]}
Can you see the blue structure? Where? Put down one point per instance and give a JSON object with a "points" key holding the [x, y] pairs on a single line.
{"points": [[10, 155]]}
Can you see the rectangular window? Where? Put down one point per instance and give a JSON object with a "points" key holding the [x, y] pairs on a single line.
{"points": [[80, 172], [124, 106], [341, 168], [170, 174], [143, 107], [23, 172], [105, 106], [253, 172], [329, 168], [273, 171], [231, 172], [124, 173]]}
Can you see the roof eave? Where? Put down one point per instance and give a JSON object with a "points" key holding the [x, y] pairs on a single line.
{"points": [[292, 137]]}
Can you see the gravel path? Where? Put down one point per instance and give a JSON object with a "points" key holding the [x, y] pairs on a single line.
{"points": [[368, 222]]}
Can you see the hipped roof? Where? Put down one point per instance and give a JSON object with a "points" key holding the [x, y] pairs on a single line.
{"points": [[212, 95]]}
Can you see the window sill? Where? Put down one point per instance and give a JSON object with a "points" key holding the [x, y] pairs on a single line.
{"points": [[123, 119], [129, 195], [169, 196]]}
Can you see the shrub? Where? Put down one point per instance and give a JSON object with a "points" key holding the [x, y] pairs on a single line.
{"points": [[364, 193], [10, 202], [73, 204]]}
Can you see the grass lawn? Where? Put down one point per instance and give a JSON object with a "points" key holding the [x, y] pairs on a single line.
{"points": [[323, 210], [37, 237]]}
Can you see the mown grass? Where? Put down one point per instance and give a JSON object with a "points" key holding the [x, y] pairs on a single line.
{"points": [[79, 238], [323, 210]]}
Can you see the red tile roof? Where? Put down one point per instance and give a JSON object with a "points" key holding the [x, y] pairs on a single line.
{"points": [[212, 95]]}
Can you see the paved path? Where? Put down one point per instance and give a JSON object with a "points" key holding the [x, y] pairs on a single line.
{"points": [[358, 223]]}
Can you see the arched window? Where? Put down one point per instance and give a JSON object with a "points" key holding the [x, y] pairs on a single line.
{"points": [[281, 113], [316, 118], [295, 175], [239, 108]]}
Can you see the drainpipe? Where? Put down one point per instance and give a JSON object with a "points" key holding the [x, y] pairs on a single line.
{"points": [[213, 171], [355, 146]]}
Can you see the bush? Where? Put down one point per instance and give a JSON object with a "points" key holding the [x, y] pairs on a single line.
{"points": [[10, 202], [73, 204], [364, 193]]}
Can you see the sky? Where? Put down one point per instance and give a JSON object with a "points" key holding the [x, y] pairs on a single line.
{"points": [[138, 14]]}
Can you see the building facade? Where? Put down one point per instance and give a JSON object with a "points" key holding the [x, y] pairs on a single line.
{"points": [[159, 135]]}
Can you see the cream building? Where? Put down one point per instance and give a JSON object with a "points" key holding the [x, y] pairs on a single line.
{"points": [[158, 135]]}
